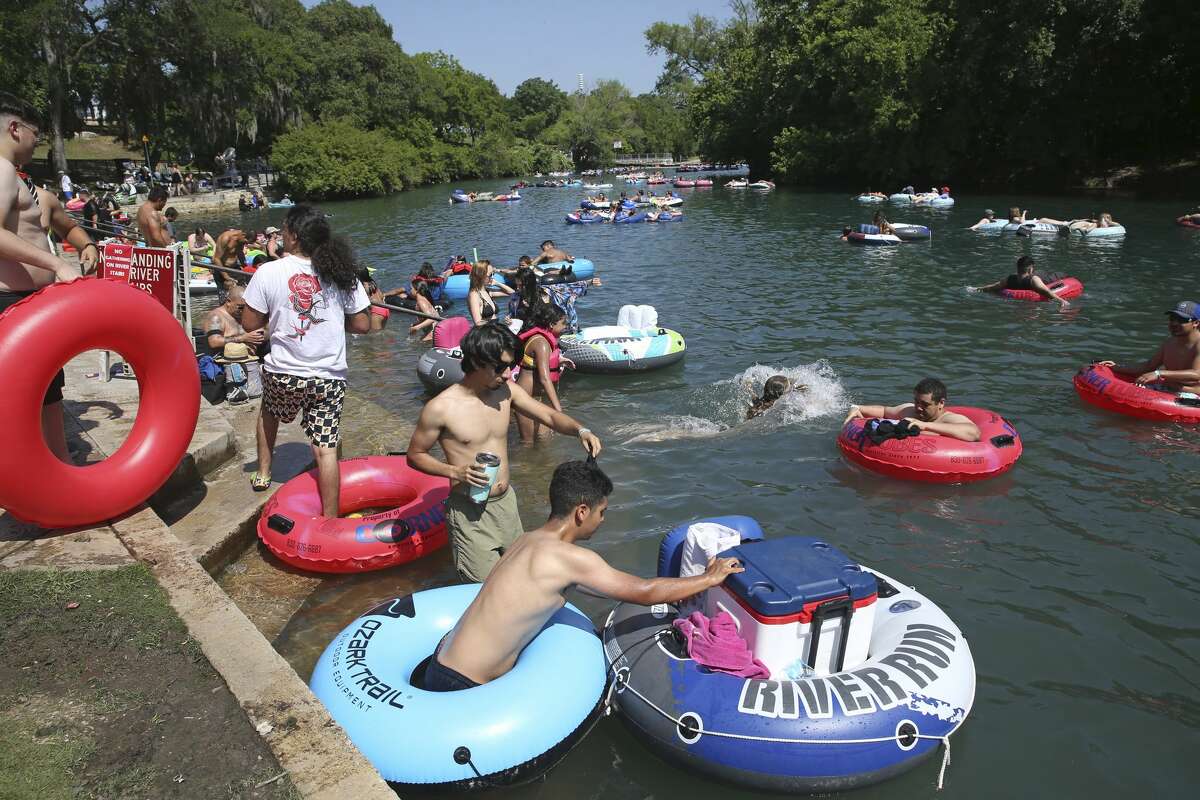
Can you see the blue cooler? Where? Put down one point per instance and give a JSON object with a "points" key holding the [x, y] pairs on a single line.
{"points": [[800, 602]]}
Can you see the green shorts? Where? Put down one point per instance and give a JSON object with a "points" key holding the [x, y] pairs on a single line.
{"points": [[480, 532]]}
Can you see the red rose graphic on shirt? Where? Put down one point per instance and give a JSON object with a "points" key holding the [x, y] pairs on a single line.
{"points": [[305, 290]]}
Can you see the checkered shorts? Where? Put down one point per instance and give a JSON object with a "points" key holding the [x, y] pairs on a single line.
{"points": [[319, 398]]}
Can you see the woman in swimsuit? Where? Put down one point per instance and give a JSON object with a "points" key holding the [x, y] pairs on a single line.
{"points": [[479, 301]]}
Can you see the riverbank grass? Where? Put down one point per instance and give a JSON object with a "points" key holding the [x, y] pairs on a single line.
{"points": [[106, 695]]}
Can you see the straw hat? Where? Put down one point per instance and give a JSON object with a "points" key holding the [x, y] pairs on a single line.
{"points": [[235, 353]]}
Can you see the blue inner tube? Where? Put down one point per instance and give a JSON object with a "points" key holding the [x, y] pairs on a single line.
{"points": [[457, 287], [511, 729], [582, 219], [639, 217], [582, 268]]}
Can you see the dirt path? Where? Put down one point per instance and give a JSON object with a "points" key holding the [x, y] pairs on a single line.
{"points": [[103, 694]]}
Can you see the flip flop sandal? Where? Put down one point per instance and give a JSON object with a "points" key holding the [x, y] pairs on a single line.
{"points": [[260, 483]]}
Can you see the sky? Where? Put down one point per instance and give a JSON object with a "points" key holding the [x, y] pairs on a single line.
{"points": [[511, 40]]}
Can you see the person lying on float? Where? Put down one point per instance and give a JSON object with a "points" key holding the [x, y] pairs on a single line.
{"points": [[1175, 366], [927, 412], [989, 217], [528, 584], [1024, 278]]}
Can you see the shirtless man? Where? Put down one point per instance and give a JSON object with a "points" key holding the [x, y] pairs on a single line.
{"points": [[527, 585], [1024, 279], [927, 412], [55, 218], [472, 417], [26, 263], [223, 325], [151, 225], [229, 251], [551, 252], [1176, 363]]}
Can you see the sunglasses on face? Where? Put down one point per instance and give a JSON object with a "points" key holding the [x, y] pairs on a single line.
{"points": [[503, 365], [37, 135]]}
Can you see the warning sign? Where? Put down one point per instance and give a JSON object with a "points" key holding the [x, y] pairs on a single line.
{"points": [[151, 269], [118, 258]]}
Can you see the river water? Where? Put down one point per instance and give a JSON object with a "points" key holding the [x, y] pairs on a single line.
{"points": [[1074, 576]]}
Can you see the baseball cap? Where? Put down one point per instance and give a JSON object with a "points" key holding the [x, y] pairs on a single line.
{"points": [[1186, 309], [271, 230]]}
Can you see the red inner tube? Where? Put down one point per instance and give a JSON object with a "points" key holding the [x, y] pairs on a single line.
{"points": [[937, 459], [292, 526], [1066, 288], [1114, 391], [46, 330]]}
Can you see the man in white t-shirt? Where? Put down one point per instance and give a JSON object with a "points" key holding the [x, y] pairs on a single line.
{"points": [[68, 188], [305, 372]]}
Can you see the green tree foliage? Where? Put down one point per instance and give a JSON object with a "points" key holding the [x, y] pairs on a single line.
{"points": [[536, 105], [326, 91], [339, 159], [901, 90]]}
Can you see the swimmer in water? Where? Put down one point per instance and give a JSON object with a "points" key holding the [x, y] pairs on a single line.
{"points": [[775, 387]]}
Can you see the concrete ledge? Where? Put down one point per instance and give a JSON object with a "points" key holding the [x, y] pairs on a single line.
{"points": [[101, 414], [24, 545], [216, 518], [320, 759]]}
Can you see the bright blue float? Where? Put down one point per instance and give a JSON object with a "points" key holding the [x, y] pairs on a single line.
{"points": [[630, 218], [457, 287], [507, 731]]}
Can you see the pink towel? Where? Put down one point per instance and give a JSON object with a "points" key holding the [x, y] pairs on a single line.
{"points": [[714, 643]]}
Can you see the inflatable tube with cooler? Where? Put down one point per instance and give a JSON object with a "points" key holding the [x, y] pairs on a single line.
{"points": [[867, 678], [504, 732], [92, 314]]}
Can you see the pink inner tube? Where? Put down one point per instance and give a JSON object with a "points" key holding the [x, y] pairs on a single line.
{"points": [[937, 459], [448, 333], [1113, 391], [1066, 288], [292, 527]]}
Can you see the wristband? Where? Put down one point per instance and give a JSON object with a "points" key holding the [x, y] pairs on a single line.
{"points": [[1158, 373], [582, 431]]}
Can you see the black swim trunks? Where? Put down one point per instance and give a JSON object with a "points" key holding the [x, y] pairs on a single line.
{"points": [[54, 392], [440, 678]]}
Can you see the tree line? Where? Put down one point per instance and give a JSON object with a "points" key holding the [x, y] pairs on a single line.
{"points": [[889, 92], [327, 93]]}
